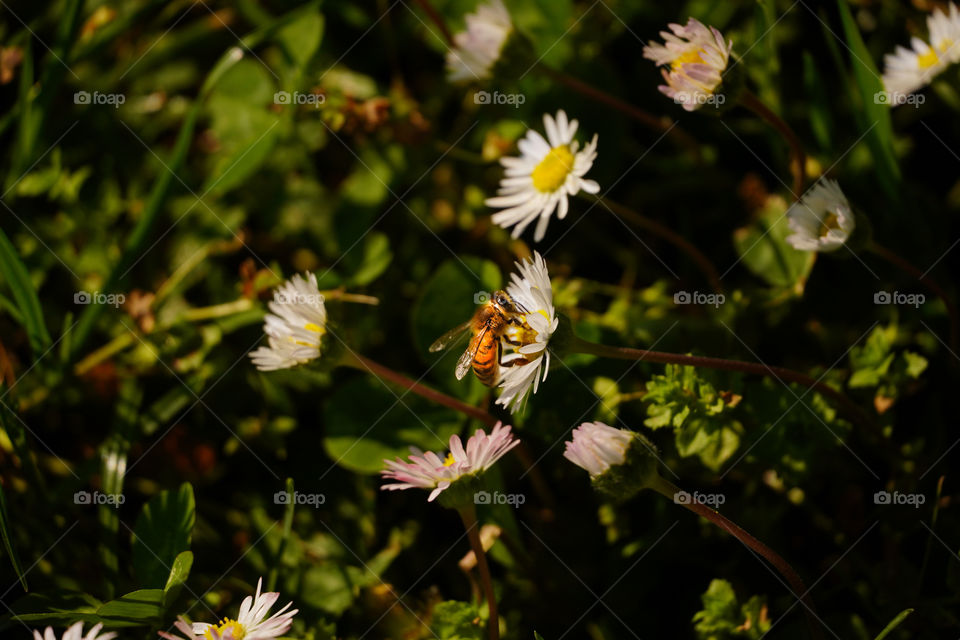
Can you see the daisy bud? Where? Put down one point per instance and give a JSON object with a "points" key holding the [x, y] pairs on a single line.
{"points": [[489, 45], [822, 220], [620, 462]]}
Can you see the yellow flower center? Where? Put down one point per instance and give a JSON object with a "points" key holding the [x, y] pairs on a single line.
{"points": [[227, 626], [928, 59], [692, 56], [831, 221], [314, 327], [449, 461], [552, 172]]}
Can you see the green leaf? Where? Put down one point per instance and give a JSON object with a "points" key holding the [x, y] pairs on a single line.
{"points": [[301, 38], [453, 620], [916, 364], [177, 578], [327, 587], [365, 423], [144, 606], [722, 617], [874, 114], [56, 607], [17, 277], [162, 531], [376, 258], [8, 541], [764, 250], [608, 393], [700, 415]]}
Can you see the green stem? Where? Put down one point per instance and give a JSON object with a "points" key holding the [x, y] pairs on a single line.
{"points": [[469, 516], [908, 267], [798, 158], [657, 228], [669, 490], [780, 373]]}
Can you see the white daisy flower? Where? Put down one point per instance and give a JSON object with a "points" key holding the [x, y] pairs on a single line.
{"points": [[478, 48], [75, 632], [543, 177], [697, 57], [822, 220], [430, 471], [907, 70], [251, 623], [296, 326], [596, 447], [531, 292]]}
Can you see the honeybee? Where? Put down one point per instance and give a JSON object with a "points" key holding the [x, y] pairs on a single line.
{"points": [[489, 327]]}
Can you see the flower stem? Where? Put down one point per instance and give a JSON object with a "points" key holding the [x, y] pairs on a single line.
{"points": [[469, 516], [667, 489], [908, 267], [657, 228], [437, 19], [779, 373], [798, 158], [664, 124], [357, 361]]}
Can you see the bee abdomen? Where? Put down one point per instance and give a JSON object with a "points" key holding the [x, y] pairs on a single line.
{"points": [[485, 363]]}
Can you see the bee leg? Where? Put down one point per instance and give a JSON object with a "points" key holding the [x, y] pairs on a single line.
{"points": [[500, 355]]}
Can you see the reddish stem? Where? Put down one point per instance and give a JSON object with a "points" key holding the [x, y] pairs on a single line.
{"points": [[662, 124], [360, 362], [469, 517], [902, 263], [657, 228], [437, 19], [781, 373], [798, 158], [669, 490]]}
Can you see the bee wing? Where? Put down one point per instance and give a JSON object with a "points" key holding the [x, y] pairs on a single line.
{"points": [[466, 360], [450, 337]]}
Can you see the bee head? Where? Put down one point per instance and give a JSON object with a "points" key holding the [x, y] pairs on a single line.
{"points": [[501, 299]]}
